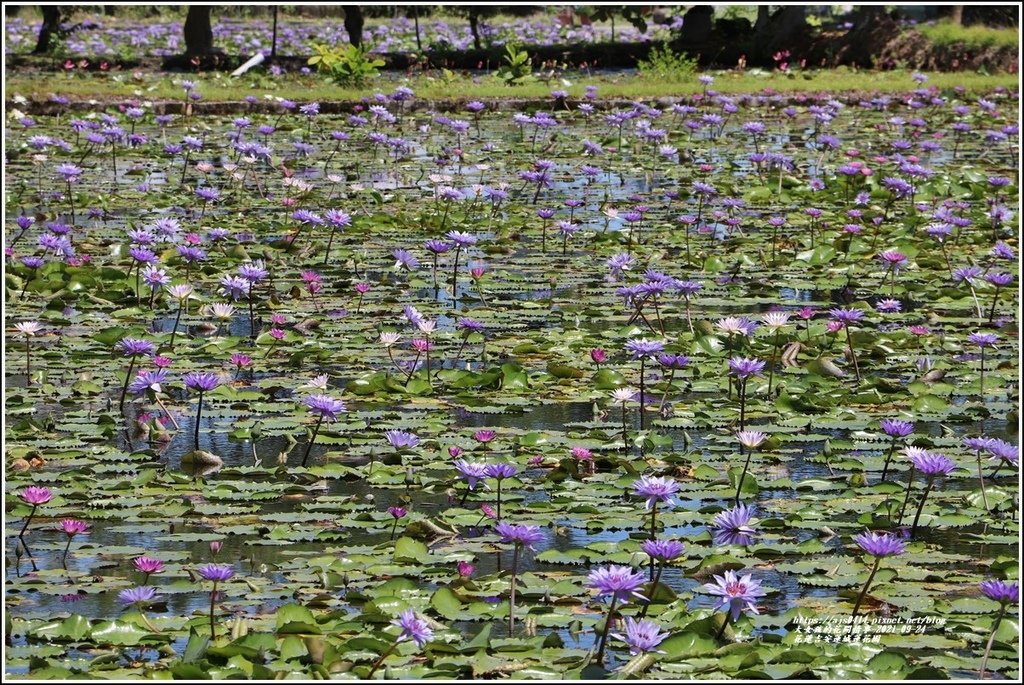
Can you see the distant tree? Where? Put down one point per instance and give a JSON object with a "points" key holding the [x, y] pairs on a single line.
{"points": [[198, 32], [414, 12], [50, 28], [476, 13], [632, 13], [779, 29], [354, 24]]}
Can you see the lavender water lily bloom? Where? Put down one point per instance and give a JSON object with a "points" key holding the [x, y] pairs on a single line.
{"points": [[519, 534], [137, 595], [880, 544], [1006, 593], [401, 439], [896, 428], [745, 368], [736, 594], [471, 472], [325, 407], [932, 464], [1002, 591], [201, 382], [132, 347], [661, 549], [218, 573], [734, 527], [641, 348], [642, 636], [656, 489], [413, 628], [621, 582]]}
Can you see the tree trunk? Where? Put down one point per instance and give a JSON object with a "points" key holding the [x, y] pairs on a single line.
{"points": [[474, 28], [198, 32], [782, 29], [956, 15], [51, 25], [273, 40], [762, 19], [354, 24]]}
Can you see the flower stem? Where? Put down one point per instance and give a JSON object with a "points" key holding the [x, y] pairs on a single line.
{"points": [[739, 486], [906, 499], [309, 445], [864, 592], [981, 391], [213, 608], [599, 659], [743, 404], [160, 404], [199, 416], [654, 587], [671, 377], [21, 535], [174, 331], [642, 359], [888, 458], [981, 480], [512, 591], [721, 630], [455, 275], [771, 363], [991, 639], [920, 506], [127, 379], [625, 432], [853, 355], [381, 659], [995, 301]]}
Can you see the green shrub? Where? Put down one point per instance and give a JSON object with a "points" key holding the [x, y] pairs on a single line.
{"points": [[666, 65], [518, 66], [345, 64]]}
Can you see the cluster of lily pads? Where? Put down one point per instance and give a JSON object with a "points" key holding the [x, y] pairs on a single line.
{"points": [[292, 393]]}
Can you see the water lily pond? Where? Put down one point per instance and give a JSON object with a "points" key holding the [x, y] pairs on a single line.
{"points": [[716, 388]]}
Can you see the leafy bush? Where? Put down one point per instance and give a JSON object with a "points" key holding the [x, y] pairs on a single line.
{"points": [[518, 65], [666, 65], [346, 64]]}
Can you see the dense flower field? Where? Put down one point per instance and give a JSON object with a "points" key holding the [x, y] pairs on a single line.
{"points": [[128, 38], [723, 387]]}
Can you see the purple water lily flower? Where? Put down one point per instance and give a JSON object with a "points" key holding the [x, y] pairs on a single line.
{"points": [[642, 636], [737, 594], [413, 628], [621, 582], [402, 439], [137, 595], [656, 489], [733, 527]]}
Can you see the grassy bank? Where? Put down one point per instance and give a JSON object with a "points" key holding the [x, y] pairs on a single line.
{"points": [[945, 34], [219, 87]]}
